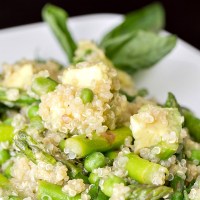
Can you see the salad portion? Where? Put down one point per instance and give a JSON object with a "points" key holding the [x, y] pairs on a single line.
{"points": [[86, 132]]}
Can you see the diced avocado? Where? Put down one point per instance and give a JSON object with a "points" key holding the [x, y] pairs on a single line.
{"points": [[84, 77], [19, 78], [154, 126]]}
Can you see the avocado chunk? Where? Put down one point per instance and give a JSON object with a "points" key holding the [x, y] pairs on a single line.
{"points": [[156, 131]]}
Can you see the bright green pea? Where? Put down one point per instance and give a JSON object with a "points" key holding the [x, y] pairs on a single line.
{"points": [[86, 95], [4, 156], [93, 178], [33, 111], [111, 154], [109, 183], [94, 161]]}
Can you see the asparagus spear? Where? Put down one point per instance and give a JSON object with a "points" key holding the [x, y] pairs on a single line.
{"points": [[4, 156], [22, 99], [109, 183], [83, 146], [4, 182], [191, 121], [171, 102], [145, 192], [178, 185], [192, 149], [30, 148], [144, 171], [6, 133], [42, 85], [193, 124], [53, 192]]}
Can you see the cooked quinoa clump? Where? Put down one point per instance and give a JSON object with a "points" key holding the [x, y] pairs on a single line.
{"points": [[25, 175], [63, 109], [20, 74]]}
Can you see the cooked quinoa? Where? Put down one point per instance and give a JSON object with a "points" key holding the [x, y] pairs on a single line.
{"points": [[71, 133]]}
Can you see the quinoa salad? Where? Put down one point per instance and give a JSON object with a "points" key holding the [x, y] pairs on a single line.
{"points": [[86, 132]]}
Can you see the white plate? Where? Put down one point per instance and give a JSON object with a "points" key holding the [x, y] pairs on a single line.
{"points": [[179, 72]]}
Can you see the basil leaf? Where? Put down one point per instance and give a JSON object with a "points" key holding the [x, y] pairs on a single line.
{"points": [[138, 50], [56, 18], [150, 18]]}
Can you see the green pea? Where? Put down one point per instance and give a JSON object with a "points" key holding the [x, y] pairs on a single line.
{"points": [[86, 95], [4, 156], [94, 161], [111, 154], [93, 178], [109, 183], [33, 111]]}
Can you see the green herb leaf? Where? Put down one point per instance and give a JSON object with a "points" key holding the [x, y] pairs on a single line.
{"points": [[150, 18], [138, 50], [56, 18]]}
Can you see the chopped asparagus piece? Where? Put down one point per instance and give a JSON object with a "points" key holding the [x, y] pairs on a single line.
{"points": [[144, 171], [145, 192], [6, 133], [83, 146], [51, 191], [42, 85]]}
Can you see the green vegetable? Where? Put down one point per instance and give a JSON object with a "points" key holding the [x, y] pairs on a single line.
{"points": [[108, 184], [93, 178], [4, 156], [4, 182], [51, 191], [83, 146], [171, 102], [138, 50], [140, 93], [96, 193], [111, 154], [195, 155], [6, 133], [33, 111], [193, 124], [42, 85], [146, 192], [86, 95], [149, 18], [57, 20], [36, 124], [94, 161], [15, 198], [7, 170], [145, 172], [178, 185], [29, 147], [22, 98]]}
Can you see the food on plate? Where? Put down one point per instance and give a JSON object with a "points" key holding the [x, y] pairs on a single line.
{"points": [[86, 132]]}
